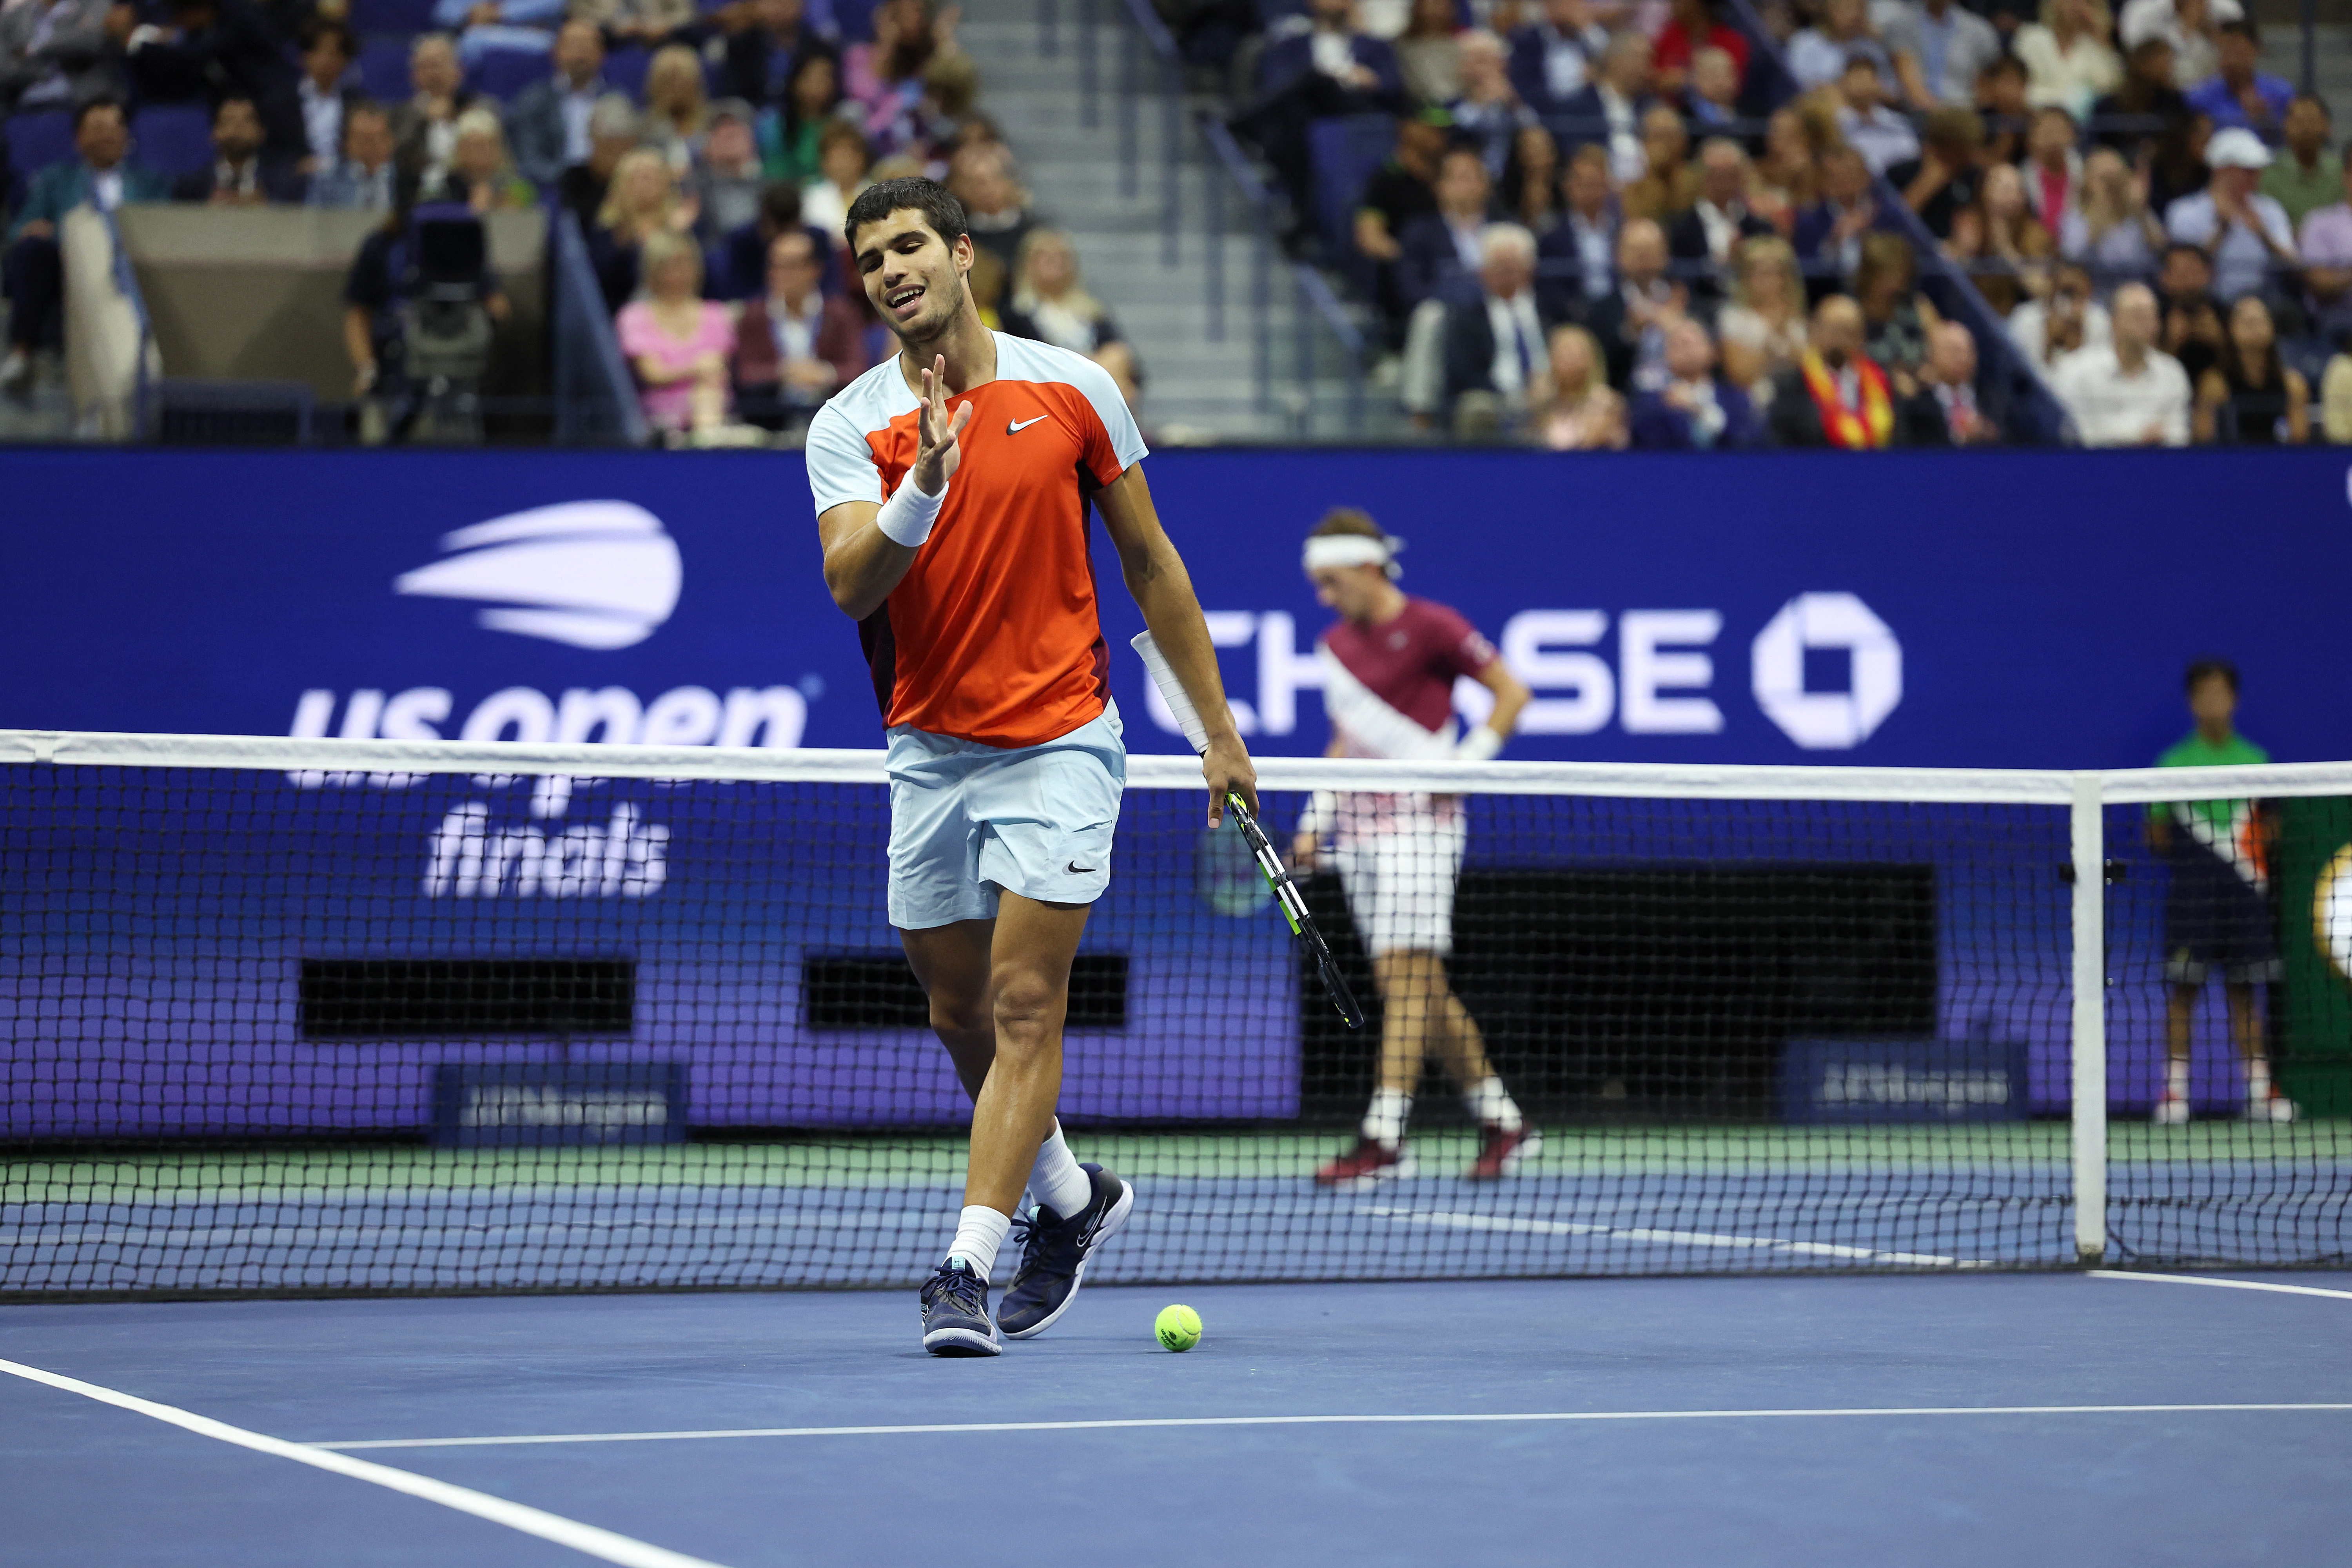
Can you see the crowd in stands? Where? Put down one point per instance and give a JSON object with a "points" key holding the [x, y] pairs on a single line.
{"points": [[1604, 223], [708, 156]]}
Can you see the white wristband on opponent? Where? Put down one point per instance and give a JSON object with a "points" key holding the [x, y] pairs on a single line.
{"points": [[907, 518], [1480, 745], [1322, 815]]}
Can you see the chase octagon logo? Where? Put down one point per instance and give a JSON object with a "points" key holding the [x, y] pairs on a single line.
{"points": [[593, 573]]}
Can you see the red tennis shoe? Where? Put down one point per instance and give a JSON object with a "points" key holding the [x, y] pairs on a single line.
{"points": [[1501, 1152], [1370, 1161]]}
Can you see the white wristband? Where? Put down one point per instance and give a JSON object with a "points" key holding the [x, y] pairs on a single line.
{"points": [[907, 518], [1480, 745], [1322, 813]]}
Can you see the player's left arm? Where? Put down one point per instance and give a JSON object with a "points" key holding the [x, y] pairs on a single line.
{"points": [[1164, 591], [1511, 695]]}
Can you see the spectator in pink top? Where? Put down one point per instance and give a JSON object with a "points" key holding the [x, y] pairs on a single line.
{"points": [[676, 341]]}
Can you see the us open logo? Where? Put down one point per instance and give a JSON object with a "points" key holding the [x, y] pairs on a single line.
{"points": [[593, 574]]}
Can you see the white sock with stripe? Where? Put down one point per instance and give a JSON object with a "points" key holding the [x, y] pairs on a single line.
{"points": [[979, 1233], [1056, 1180], [1491, 1105], [2176, 1079], [2258, 1081], [1385, 1122]]}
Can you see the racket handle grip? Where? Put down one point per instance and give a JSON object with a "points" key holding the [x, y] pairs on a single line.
{"points": [[1172, 690]]}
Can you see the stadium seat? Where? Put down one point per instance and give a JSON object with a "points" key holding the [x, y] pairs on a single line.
{"points": [[39, 139], [174, 138], [383, 69], [504, 73], [625, 72], [1345, 152], [370, 17]]}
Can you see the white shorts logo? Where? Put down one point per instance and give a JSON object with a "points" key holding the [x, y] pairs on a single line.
{"points": [[593, 573], [1827, 720]]}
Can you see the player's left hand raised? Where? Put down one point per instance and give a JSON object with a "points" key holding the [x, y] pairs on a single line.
{"points": [[937, 450]]}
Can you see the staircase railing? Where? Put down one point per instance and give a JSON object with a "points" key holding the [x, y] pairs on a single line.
{"points": [[1320, 322]]}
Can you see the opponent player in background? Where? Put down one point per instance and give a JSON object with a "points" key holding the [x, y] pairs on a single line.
{"points": [[1389, 668], [2216, 911], [951, 484]]}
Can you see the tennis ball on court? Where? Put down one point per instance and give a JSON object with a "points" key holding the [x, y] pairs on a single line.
{"points": [[1178, 1327]]}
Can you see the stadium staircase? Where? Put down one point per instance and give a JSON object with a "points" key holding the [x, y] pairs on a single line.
{"points": [[1240, 383]]}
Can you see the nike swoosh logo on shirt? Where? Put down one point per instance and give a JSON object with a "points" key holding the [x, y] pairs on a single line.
{"points": [[1077, 870], [1015, 427]]}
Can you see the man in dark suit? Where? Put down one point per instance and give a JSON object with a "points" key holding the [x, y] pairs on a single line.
{"points": [[210, 48], [1708, 235], [1439, 251], [1696, 410], [1834, 396], [1496, 343], [765, 39], [1328, 72], [241, 173], [1553, 59], [325, 94], [1630, 322], [98, 174], [1576, 261], [548, 126], [1828, 237], [1946, 410], [1607, 111]]}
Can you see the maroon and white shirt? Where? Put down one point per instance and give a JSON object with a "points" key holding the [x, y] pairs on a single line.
{"points": [[1388, 690]]}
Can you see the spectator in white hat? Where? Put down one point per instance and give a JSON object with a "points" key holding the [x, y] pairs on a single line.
{"points": [[2244, 233]]}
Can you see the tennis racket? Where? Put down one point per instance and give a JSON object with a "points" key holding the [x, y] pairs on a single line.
{"points": [[1286, 892]]}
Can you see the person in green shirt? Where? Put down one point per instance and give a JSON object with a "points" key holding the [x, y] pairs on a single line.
{"points": [[2217, 909], [2306, 176]]}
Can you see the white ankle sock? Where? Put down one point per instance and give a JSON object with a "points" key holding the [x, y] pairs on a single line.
{"points": [[1385, 1122], [2176, 1078], [1056, 1180], [1491, 1105], [979, 1233], [2258, 1080]]}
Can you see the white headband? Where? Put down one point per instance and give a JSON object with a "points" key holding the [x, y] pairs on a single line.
{"points": [[1326, 549]]}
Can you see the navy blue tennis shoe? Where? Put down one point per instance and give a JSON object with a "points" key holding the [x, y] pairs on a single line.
{"points": [[1054, 1252], [955, 1313]]}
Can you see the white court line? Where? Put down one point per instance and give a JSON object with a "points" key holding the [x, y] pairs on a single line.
{"points": [[1664, 1238], [570, 1533], [1552, 1415], [2224, 1284]]}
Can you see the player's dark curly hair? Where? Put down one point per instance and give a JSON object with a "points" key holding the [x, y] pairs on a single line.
{"points": [[2203, 669], [940, 210]]}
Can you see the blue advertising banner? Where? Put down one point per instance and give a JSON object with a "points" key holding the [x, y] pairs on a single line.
{"points": [[2025, 609], [2032, 609]]}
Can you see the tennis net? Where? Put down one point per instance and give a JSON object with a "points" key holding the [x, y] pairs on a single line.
{"points": [[316, 1016]]}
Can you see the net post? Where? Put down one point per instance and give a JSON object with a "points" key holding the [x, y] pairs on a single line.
{"points": [[2087, 840]]}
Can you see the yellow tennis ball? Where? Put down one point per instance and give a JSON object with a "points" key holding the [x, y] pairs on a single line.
{"points": [[1178, 1327]]}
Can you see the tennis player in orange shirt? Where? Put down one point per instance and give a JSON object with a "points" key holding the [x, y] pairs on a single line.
{"points": [[951, 484]]}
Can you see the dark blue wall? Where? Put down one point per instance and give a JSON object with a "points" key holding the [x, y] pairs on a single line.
{"points": [[2043, 602]]}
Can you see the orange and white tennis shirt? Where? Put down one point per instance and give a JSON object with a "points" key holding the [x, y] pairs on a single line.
{"points": [[993, 635]]}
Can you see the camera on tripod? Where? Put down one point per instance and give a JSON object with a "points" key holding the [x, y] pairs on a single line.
{"points": [[446, 328]]}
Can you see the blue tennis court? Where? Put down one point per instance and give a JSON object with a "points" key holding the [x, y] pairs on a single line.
{"points": [[1960, 1419]]}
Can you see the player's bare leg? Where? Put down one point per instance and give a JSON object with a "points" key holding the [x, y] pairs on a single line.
{"points": [[2263, 1102], [2179, 1021], [1505, 1138], [952, 965], [1029, 994]]}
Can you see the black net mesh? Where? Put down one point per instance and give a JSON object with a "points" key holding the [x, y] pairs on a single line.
{"points": [[2229, 938], [329, 1032]]}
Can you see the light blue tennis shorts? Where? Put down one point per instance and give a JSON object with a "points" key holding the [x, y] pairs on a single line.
{"points": [[968, 820]]}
